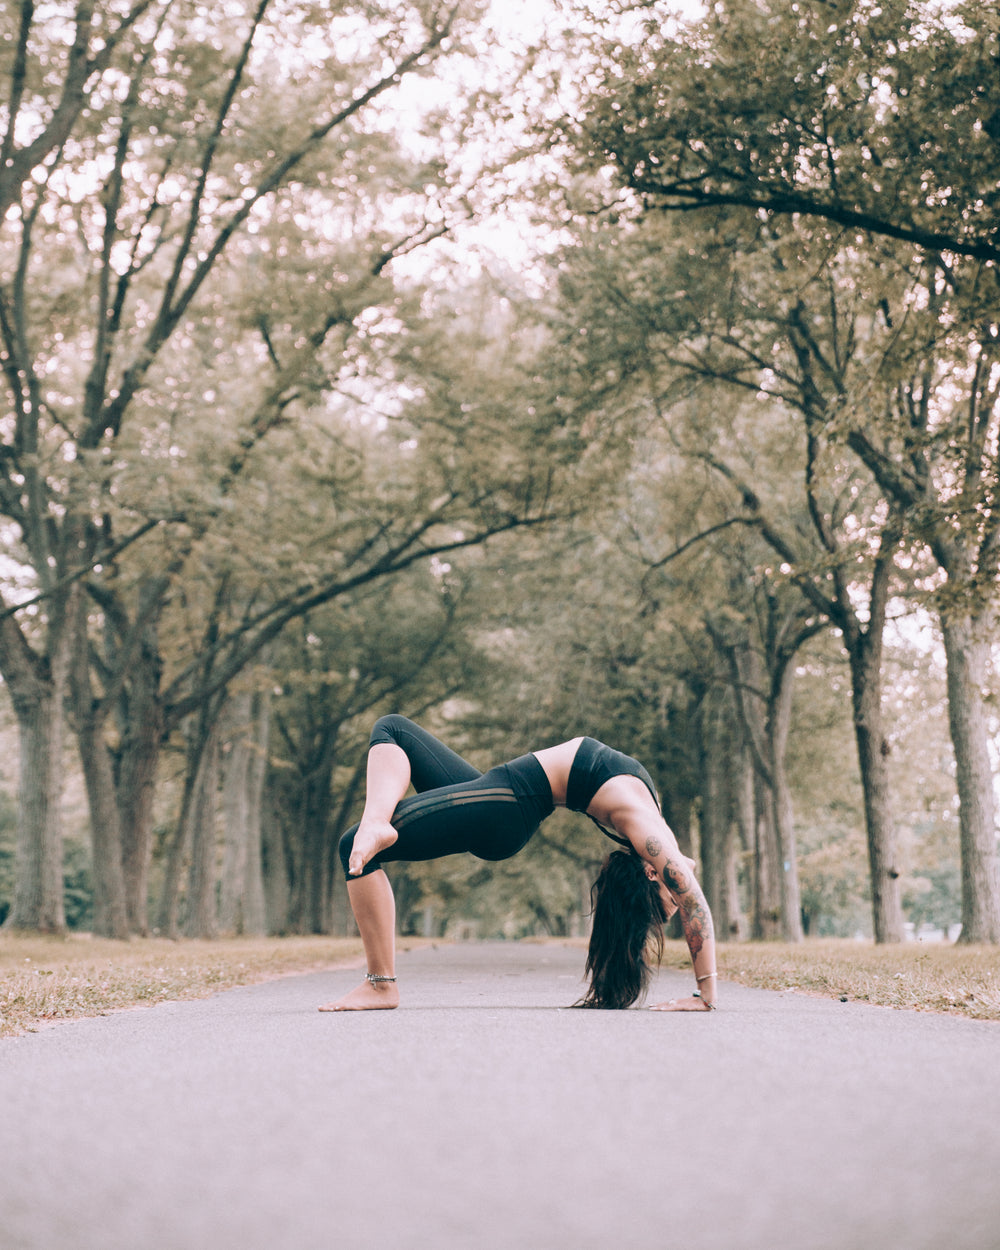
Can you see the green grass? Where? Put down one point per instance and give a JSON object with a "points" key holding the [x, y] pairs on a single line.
{"points": [[43, 980]]}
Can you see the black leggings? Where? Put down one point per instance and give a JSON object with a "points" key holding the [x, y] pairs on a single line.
{"points": [[456, 807]]}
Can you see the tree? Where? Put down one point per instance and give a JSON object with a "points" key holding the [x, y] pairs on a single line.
{"points": [[191, 160], [717, 587], [874, 127], [81, 64], [740, 312], [878, 118], [241, 902], [934, 453], [760, 661], [400, 646]]}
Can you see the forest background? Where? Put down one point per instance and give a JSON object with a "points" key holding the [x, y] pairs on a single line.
{"points": [[582, 368]]}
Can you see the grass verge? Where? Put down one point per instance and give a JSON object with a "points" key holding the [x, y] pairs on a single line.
{"points": [[958, 980], [47, 979], [43, 980]]}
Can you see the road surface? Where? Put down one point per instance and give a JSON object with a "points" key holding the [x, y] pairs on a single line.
{"points": [[486, 1114]]}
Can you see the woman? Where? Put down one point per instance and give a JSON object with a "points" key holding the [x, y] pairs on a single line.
{"points": [[493, 814]]}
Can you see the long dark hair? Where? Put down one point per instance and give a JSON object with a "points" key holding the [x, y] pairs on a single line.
{"points": [[628, 925]]}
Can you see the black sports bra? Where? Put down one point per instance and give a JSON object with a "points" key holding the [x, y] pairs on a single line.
{"points": [[593, 765]]}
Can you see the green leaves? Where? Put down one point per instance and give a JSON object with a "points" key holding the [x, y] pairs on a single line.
{"points": [[877, 118]]}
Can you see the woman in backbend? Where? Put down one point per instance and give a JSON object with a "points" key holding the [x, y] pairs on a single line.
{"points": [[492, 815]]}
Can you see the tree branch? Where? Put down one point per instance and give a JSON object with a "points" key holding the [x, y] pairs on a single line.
{"points": [[76, 574], [787, 203]]}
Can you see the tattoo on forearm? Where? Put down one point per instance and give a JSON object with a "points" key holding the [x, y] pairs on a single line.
{"points": [[697, 922], [653, 846], [696, 918], [674, 878]]}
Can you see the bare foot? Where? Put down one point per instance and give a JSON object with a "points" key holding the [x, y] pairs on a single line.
{"points": [[372, 836], [367, 997]]}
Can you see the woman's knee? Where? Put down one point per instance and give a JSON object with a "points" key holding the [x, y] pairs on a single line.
{"points": [[390, 728]]}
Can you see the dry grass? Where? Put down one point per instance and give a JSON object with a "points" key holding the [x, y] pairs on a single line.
{"points": [[959, 980], [48, 979]]}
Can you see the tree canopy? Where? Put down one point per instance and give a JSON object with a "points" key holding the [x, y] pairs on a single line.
{"points": [[284, 447]]}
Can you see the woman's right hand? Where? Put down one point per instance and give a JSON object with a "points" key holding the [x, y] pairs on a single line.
{"points": [[683, 1004]]}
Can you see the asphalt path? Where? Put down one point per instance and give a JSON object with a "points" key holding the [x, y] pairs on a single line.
{"points": [[485, 1113]]}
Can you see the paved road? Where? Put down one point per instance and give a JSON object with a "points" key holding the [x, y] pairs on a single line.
{"points": [[483, 1114]]}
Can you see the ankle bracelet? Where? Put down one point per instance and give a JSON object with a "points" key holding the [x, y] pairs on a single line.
{"points": [[374, 978]]}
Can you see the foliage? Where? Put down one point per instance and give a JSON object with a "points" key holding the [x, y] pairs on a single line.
{"points": [[8, 827], [262, 413], [209, 477], [77, 884], [879, 118], [855, 287]]}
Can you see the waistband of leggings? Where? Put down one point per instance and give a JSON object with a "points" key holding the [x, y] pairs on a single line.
{"points": [[531, 786]]}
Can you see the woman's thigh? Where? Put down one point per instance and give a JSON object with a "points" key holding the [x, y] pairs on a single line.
{"points": [[432, 764], [481, 816]]}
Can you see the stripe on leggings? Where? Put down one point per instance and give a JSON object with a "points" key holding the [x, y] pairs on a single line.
{"points": [[456, 800]]}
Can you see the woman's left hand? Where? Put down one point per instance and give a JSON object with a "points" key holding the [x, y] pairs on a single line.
{"points": [[682, 1004]]}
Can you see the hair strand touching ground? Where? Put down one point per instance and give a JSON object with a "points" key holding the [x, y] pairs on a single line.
{"points": [[628, 925]]}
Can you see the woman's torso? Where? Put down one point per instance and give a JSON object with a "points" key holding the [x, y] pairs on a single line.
{"points": [[587, 776]]}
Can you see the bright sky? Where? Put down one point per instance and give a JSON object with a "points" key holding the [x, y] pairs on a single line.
{"points": [[504, 231]]}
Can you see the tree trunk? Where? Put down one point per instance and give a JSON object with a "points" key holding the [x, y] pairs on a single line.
{"points": [[38, 885], [277, 894], [236, 761], [967, 649], [242, 901], [744, 837], [677, 813], [38, 691], [779, 715], [167, 918], [724, 846], [712, 829], [764, 700], [311, 895], [254, 911], [198, 742], [141, 742], [766, 924], [717, 843], [341, 918], [873, 758], [110, 917], [736, 921], [201, 917]]}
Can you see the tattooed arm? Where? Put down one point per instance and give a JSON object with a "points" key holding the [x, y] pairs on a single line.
{"points": [[625, 804], [698, 930], [659, 848]]}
